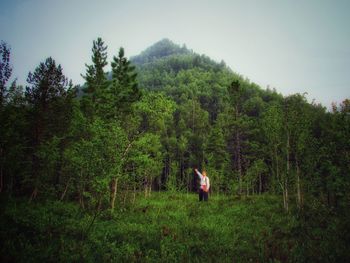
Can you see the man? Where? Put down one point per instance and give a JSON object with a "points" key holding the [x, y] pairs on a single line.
{"points": [[205, 185]]}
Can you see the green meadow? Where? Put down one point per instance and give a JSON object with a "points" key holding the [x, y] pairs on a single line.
{"points": [[172, 227]]}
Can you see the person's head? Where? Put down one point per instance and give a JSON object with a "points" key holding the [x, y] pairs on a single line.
{"points": [[204, 173]]}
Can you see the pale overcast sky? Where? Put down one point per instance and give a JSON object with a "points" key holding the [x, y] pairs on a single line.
{"points": [[293, 46]]}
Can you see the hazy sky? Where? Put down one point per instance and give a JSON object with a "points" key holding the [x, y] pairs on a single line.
{"points": [[293, 46]]}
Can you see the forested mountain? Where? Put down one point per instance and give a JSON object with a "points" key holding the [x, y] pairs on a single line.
{"points": [[204, 123], [151, 120], [159, 64], [161, 49]]}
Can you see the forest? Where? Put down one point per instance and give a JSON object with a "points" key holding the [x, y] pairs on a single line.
{"points": [[104, 171]]}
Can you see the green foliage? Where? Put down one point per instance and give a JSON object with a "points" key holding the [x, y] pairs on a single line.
{"points": [[124, 87], [95, 76], [144, 127], [96, 158], [5, 70], [160, 49], [173, 228], [47, 83], [146, 158], [155, 111]]}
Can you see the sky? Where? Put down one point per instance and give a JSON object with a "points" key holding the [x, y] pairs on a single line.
{"points": [[293, 46]]}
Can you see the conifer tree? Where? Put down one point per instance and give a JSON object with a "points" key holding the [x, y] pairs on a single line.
{"points": [[124, 89], [96, 80], [46, 97], [5, 74], [5, 69], [95, 76]]}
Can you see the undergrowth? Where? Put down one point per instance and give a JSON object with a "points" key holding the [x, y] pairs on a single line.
{"points": [[170, 227]]}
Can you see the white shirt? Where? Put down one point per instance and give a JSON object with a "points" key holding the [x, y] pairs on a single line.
{"points": [[204, 180]]}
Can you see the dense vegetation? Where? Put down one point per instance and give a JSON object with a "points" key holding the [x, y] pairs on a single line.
{"points": [[75, 160], [170, 227]]}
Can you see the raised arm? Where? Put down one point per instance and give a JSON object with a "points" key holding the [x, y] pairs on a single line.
{"points": [[198, 173]]}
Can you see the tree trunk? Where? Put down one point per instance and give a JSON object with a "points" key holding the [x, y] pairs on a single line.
{"points": [[150, 187], [1, 178], [38, 134], [277, 165], [81, 196], [2, 169], [34, 194], [238, 157], [146, 186], [287, 198], [99, 204], [285, 195], [299, 198], [59, 165], [65, 190], [125, 195], [134, 195], [260, 184], [287, 175], [193, 108], [114, 186]]}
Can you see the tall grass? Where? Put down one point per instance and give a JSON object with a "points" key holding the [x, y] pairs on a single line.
{"points": [[165, 227]]}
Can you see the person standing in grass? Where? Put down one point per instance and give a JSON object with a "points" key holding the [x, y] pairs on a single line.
{"points": [[205, 185]]}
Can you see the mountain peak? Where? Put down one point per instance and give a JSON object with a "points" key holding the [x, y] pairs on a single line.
{"points": [[160, 49]]}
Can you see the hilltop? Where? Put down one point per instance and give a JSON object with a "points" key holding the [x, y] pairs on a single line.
{"points": [[161, 49]]}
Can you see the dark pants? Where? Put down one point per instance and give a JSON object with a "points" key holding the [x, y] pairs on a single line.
{"points": [[203, 196]]}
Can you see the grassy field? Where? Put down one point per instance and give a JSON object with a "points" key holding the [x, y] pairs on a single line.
{"points": [[166, 227]]}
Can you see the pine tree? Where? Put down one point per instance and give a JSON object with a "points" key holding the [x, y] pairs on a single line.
{"points": [[124, 89], [5, 69], [96, 80], [95, 76], [46, 97], [5, 74]]}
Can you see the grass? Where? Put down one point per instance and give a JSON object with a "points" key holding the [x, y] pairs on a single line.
{"points": [[166, 227]]}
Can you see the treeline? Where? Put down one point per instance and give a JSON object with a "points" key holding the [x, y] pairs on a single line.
{"points": [[144, 126]]}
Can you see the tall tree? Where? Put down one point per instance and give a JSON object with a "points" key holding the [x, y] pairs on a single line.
{"points": [[124, 87], [272, 128], [5, 74], [96, 79], [95, 76], [298, 129], [334, 154], [236, 98], [45, 95], [216, 153], [5, 69]]}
